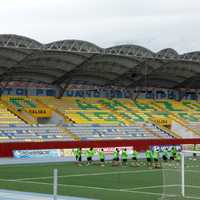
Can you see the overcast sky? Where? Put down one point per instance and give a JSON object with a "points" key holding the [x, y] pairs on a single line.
{"points": [[155, 24]]}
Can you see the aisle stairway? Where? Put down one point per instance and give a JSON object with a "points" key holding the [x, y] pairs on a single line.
{"points": [[26, 108], [6, 117]]}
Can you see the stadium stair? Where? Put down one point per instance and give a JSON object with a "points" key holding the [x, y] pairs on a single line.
{"points": [[170, 132], [7, 117], [67, 132], [20, 114], [28, 109], [56, 114], [156, 134], [177, 114]]}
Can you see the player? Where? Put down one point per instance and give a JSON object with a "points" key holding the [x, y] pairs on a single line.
{"points": [[115, 157], [178, 156], [156, 158], [194, 148], [165, 155], [102, 157], [124, 156], [89, 154], [78, 155], [174, 151], [148, 155], [135, 158], [74, 151]]}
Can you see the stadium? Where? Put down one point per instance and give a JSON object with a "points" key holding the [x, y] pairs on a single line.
{"points": [[59, 100]]}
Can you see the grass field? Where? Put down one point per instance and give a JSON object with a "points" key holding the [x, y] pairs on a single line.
{"points": [[96, 182]]}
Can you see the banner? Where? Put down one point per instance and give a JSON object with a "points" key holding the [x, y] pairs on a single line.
{"points": [[57, 153], [45, 153], [148, 93], [39, 112], [169, 147], [162, 121]]}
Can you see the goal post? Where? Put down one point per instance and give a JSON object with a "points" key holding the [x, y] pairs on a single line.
{"points": [[55, 184], [171, 180], [190, 174], [182, 174], [181, 178]]}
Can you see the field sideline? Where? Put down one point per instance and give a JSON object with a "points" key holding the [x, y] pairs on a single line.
{"points": [[96, 182]]}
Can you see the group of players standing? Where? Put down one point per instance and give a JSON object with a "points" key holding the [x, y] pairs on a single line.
{"points": [[153, 157]]}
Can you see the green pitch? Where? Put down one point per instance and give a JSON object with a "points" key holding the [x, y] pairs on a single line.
{"points": [[96, 182]]}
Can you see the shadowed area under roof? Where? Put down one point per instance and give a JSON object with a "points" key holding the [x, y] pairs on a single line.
{"points": [[66, 61]]}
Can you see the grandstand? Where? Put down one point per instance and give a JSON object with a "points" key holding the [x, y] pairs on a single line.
{"points": [[80, 91], [71, 93]]}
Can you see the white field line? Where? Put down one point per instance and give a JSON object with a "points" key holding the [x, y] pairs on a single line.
{"points": [[148, 193], [90, 187], [193, 186], [191, 197], [193, 171], [127, 190], [104, 173], [91, 174], [152, 187], [161, 186]]}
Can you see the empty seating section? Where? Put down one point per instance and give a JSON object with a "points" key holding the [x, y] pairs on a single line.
{"points": [[31, 105], [109, 132], [142, 110], [123, 111], [84, 110], [195, 126], [187, 111], [103, 111], [15, 133], [97, 118], [21, 102], [7, 117], [27, 108]]}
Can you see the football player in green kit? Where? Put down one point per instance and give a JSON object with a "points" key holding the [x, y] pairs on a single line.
{"points": [[102, 157], [135, 158]]}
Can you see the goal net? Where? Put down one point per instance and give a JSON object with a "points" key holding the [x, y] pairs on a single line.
{"points": [[181, 178], [190, 174]]}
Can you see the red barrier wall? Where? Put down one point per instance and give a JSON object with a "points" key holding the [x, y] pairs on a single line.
{"points": [[6, 149]]}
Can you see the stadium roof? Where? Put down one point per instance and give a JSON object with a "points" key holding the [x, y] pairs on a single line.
{"points": [[75, 61]]}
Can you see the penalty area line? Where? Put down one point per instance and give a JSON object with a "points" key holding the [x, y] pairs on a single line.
{"points": [[104, 173], [91, 174], [91, 187]]}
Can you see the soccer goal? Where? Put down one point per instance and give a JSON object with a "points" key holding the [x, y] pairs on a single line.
{"points": [[181, 179], [190, 174]]}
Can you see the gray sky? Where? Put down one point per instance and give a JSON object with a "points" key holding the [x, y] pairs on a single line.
{"points": [[155, 24]]}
